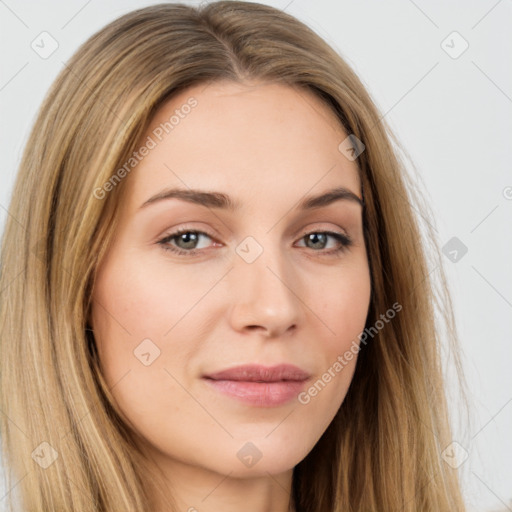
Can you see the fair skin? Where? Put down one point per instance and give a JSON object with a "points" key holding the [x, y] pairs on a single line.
{"points": [[268, 147]]}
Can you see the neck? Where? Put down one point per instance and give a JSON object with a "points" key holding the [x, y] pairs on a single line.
{"points": [[197, 489]]}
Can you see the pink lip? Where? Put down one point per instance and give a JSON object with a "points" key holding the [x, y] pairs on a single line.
{"points": [[260, 385]]}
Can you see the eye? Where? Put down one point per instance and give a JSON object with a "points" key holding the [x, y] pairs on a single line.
{"points": [[184, 242], [187, 238], [319, 239]]}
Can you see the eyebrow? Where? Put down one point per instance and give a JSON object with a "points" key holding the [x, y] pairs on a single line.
{"points": [[219, 200]]}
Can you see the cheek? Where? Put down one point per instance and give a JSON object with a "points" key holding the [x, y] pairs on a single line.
{"points": [[135, 314], [132, 309], [135, 299], [149, 321], [343, 303]]}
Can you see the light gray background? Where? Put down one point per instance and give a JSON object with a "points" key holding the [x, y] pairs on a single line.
{"points": [[453, 116]]}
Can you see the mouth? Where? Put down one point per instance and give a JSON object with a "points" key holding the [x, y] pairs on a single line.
{"points": [[259, 385]]}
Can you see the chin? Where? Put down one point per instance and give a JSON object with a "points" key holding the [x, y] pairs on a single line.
{"points": [[264, 456]]}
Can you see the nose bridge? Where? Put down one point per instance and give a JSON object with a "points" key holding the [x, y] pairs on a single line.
{"points": [[263, 285], [262, 262]]}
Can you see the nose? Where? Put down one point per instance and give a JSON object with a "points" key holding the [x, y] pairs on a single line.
{"points": [[265, 296]]}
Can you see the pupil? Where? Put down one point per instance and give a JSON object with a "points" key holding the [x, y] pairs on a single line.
{"points": [[189, 238], [315, 236]]}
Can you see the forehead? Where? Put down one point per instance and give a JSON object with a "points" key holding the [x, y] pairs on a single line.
{"points": [[253, 140]]}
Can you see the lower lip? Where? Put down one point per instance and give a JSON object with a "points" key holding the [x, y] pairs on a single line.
{"points": [[262, 394]]}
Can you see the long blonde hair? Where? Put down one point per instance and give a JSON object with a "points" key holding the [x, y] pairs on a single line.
{"points": [[382, 452]]}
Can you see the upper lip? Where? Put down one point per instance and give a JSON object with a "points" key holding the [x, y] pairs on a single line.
{"points": [[260, 373]]}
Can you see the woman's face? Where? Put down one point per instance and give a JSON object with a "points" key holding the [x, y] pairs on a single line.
{"points": [[254, 279]]}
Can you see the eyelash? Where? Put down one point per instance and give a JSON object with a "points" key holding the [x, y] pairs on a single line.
{"points": [[344, 240]]}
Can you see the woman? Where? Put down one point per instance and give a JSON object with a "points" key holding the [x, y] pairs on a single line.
{"points": [[217, 286]]}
